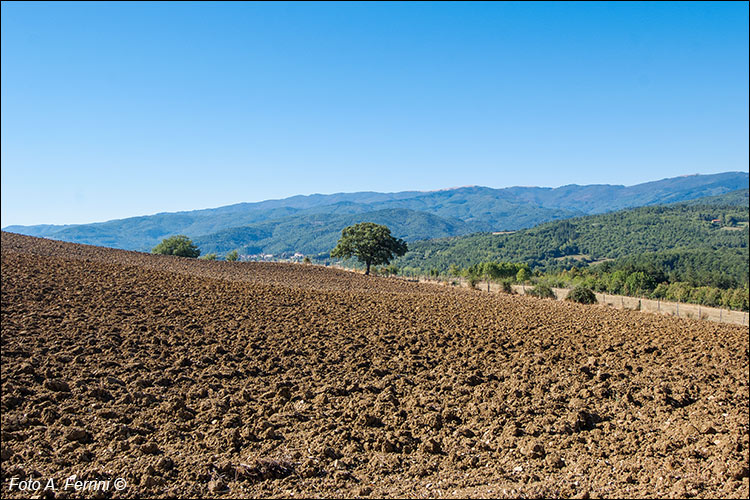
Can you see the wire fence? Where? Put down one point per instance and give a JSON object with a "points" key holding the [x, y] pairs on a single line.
{"points": [[675, 309]]}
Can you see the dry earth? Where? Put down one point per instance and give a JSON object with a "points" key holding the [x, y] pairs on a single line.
{"points": [[219, 379]]}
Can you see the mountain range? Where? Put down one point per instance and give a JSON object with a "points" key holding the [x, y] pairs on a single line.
{"points": [[312, 224]]}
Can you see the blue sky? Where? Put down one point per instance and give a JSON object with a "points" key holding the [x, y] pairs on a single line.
{"points": [[112, 110]]}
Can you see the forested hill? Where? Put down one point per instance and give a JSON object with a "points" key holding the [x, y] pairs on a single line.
{"points": [[316, 233], [738, 198], [309, 224], [685, 238]]}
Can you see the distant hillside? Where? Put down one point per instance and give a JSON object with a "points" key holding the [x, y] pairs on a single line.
{"points": [[595, 199], [309, 224], [739, 198], [680, 232], [314, 233], [479, 209]]}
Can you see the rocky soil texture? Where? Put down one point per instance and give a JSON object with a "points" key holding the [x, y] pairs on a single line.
{"points": [[221, 379]]}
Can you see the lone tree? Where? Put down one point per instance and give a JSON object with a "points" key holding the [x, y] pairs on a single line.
{"points": [[370, 243], [177, 245]]}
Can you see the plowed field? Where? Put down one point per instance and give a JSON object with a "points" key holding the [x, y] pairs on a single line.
{"points": [[219, 379]]}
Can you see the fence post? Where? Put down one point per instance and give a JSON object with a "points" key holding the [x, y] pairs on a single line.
{"points": [[658, 305], [677, 305]]}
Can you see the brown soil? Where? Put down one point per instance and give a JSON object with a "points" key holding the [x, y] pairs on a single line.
{"points": [[218, 379]]}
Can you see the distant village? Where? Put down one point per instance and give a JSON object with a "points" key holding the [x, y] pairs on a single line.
{"points": [[269, 257]]}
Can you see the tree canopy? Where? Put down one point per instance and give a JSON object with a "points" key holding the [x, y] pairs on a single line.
{"points": [[179, 245], [682, 241], [370, 243]]}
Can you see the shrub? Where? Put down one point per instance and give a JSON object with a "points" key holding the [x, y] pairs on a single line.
{"points": [[660, 292], [698, 295], [211, 256], [523, 275], [542, 291], [506, 286], [179, 245], [582, 295], [600, 285], [389, 270], [678, 291], [307, 260], [713, 297], [233, 256], [617, 282], [639, 282], [739, 299]]}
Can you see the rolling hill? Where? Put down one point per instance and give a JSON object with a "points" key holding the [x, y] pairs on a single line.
{"points": [[311, 233], [311, 224], [683, 236]]}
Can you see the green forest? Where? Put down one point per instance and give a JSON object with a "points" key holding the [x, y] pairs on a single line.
{"points": [[697, 231], [686, 252]]}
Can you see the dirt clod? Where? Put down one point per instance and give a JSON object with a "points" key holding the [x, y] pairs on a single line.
{"points": [[150, 448], [57, 385], [216, 485], [432, 446], [77, 434]]}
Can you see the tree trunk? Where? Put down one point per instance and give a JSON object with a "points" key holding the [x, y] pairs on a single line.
{"points": [[367, 273]]}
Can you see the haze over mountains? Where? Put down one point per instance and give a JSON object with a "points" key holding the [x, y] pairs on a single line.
{"points": [[312, 224]]}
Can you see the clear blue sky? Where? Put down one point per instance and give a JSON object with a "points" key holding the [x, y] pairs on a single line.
{"points": [[112, 110]]}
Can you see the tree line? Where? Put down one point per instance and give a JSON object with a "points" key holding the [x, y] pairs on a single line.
{"points": [[626, 280]]}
